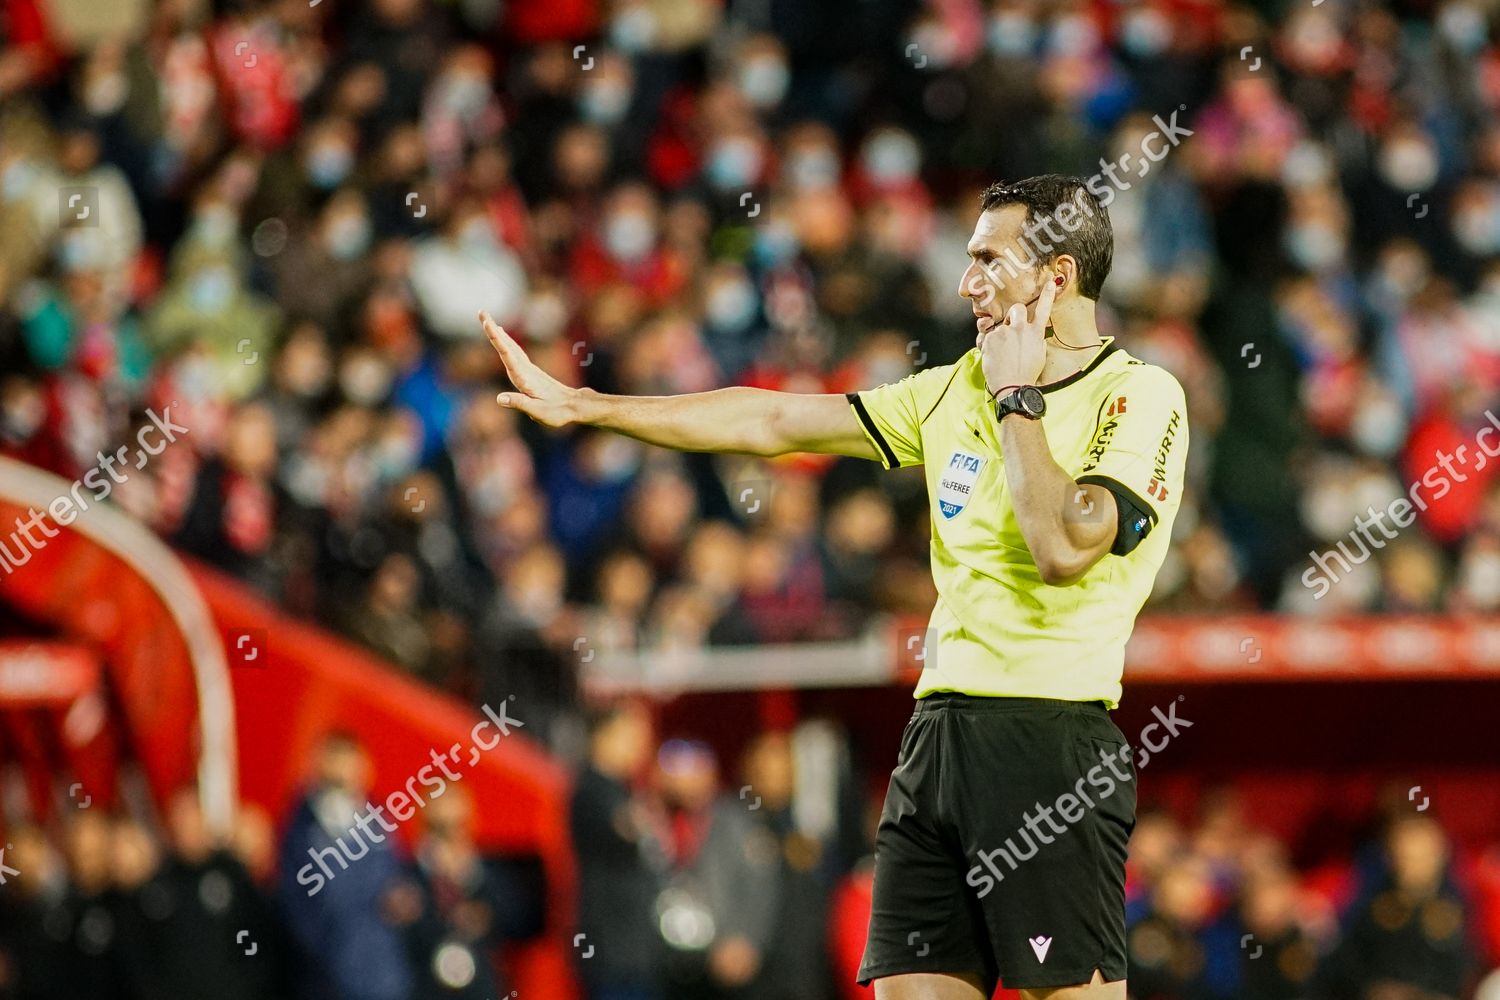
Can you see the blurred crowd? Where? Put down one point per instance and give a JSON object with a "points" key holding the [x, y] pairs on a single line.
{"points": [[118, 906], [274, 221], [1217, 909], [696, 880]]}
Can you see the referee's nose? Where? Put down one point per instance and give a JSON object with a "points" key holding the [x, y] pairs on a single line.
{"points": [[972, 286]]}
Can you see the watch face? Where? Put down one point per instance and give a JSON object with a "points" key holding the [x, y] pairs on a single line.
{"points": [[1033, 400]]}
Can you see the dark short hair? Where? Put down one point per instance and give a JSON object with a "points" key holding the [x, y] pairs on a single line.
{"points": [[1091, 243]]}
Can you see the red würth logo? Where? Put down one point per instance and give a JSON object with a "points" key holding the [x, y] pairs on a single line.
{"points": [[1117, 407]]}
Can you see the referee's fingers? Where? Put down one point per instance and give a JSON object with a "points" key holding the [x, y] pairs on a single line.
{"points": [[518, 401], [1044, 302], [504, 345]]}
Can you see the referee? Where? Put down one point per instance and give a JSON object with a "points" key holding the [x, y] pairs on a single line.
{"points": [[1054, 463]]}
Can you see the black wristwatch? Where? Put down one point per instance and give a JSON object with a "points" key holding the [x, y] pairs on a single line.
{"points": [[1027, 400]]}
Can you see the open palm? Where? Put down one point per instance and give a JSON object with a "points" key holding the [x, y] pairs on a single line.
{"points": [[537, 394]]}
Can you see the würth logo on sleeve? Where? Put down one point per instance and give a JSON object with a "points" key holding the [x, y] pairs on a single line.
{"points": [[1117, 407], [1159, 471]]}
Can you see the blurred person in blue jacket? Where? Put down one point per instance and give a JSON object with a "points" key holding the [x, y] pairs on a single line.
{"points": [[337, 885]]}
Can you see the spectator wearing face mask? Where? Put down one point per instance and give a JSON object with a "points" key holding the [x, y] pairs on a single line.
{"points": [[338, 252], [337, 883], [467, 255]]}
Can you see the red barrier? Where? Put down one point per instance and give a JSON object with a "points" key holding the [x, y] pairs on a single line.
{"points": [[35, 674], [90, 594], [105, 582]]}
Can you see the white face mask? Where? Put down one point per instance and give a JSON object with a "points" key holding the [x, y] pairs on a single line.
{"points": [[604, 103], [215, 227], [477, 234], [104, 95], [629, 236], [1477, 226], [812, 169], [1408, 164], [22, 415], [1146, 32], [1315, 246], [349, 236], [545, 317], [1479, 578], [364, 379], [1011, 33], [764, 81], [892, 157], [210, 289], [1379, 428], [734, 164], [731, 306]]}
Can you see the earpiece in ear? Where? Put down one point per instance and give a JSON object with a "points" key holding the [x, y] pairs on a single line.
{"points": [[1059, 281]]}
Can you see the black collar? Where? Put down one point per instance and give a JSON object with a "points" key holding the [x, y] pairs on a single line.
{"points": [[1109, 349]]}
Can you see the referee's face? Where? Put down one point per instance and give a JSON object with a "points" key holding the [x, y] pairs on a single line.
{"points": [[1003, 268]]}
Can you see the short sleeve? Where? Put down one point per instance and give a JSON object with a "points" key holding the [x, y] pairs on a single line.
{"points": [[1139, 447], [892, 414]]}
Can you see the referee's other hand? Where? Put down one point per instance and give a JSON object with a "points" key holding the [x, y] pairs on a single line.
{"points": [[537, 394]]}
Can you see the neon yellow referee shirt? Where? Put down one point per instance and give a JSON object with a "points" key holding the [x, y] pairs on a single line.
{"points": [[1001, 631]]}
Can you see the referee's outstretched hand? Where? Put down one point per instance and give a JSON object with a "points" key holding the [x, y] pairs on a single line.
{"points": [[537, 394]]}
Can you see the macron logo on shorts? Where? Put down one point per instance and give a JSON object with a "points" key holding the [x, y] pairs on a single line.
{"points": [[1040, 945]]}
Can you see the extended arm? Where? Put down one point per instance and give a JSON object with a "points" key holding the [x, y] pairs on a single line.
{"points": [[741, 420]]}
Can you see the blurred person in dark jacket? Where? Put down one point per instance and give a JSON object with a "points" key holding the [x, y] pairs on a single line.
{"points": [[337, 885], [1408, 940], [388, 621], [620, 857], [718, 912], [1167, 959], [36, 960], [223, 934], [1274, 958], [231, 520], [142, 906], [804, 823], [88, 922], [524, 645], [447, 906]]}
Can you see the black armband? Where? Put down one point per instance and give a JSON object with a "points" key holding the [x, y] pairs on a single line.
{"points": [[1135, 518]]}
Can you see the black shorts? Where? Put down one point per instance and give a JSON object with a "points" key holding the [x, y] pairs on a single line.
{"points": [[1001, 848]]}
